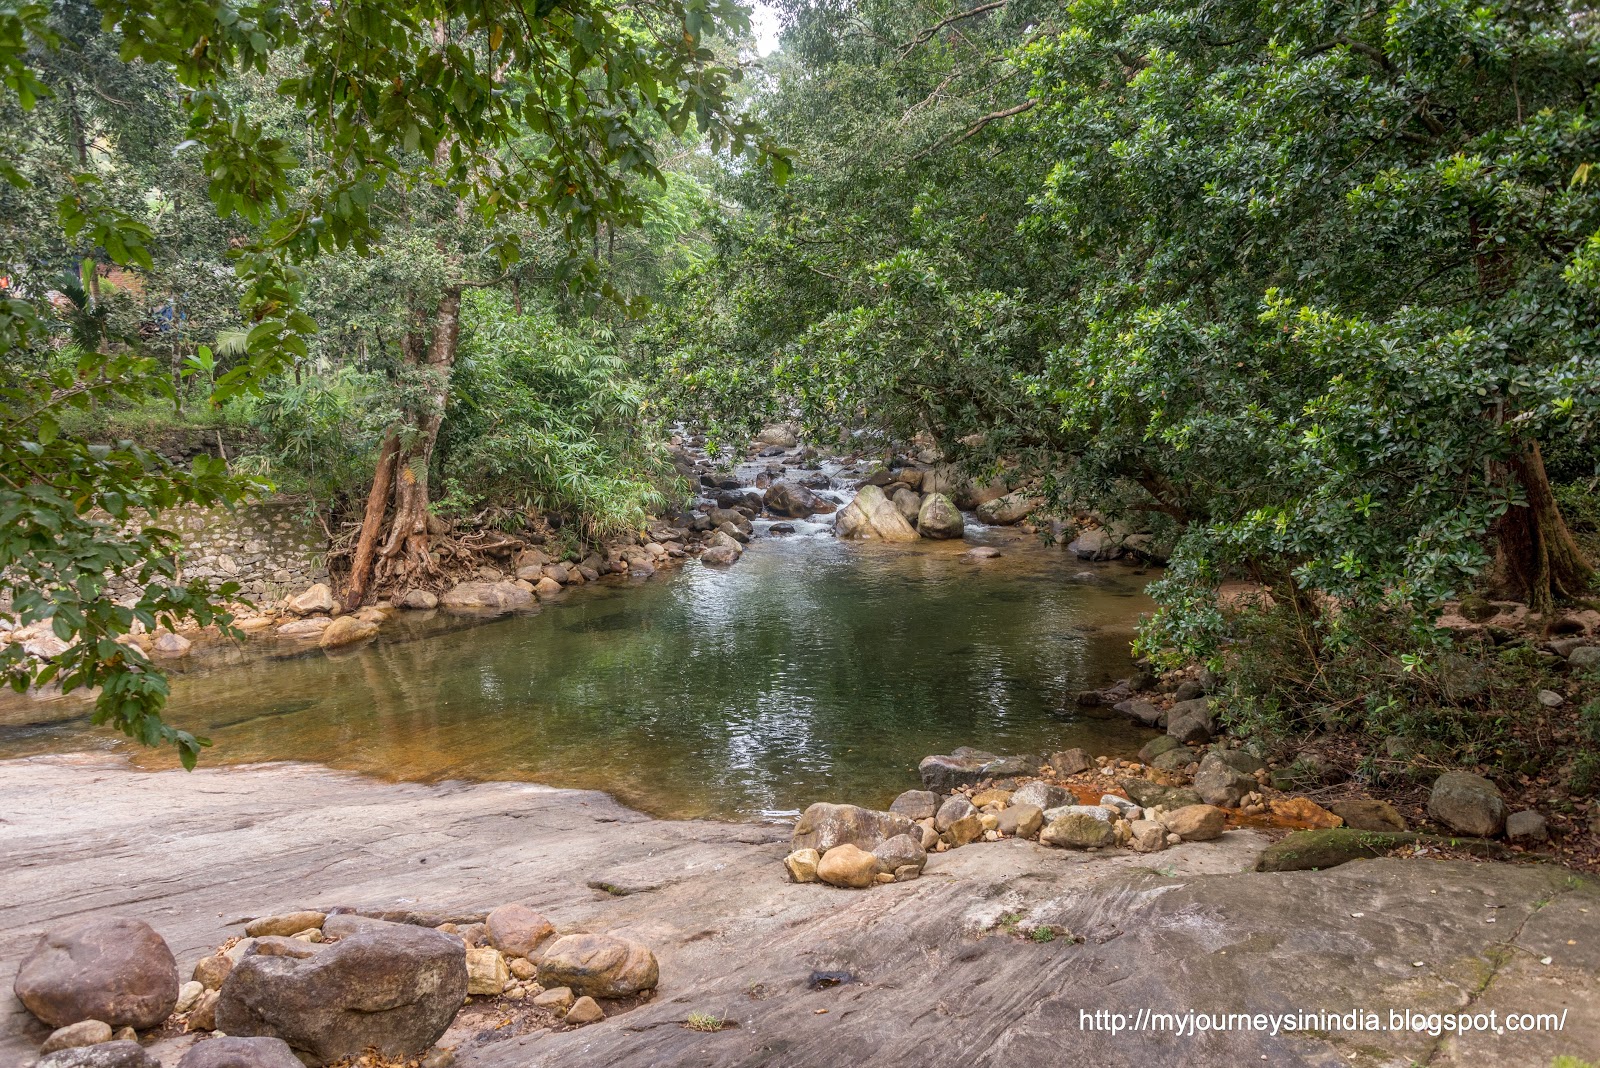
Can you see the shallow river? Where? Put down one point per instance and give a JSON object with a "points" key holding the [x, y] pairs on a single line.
{"points": [[810, 670]]}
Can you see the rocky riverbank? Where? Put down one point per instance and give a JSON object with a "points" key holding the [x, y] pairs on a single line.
{"points": [[947, 969]]}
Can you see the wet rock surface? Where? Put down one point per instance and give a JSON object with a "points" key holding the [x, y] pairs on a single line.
{"points": [[734, 936]]}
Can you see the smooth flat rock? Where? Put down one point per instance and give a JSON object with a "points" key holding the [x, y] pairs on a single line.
{"points": [[1201, 933]]}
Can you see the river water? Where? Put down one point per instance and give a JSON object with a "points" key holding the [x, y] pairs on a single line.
{"points": [[812, 669]]}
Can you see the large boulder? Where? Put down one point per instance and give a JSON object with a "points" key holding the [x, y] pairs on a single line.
{"points": [[909, 501], [872, 515], [916, 804], [779, 435], [1006, 510], [1468, 804], [968, 767], [317, 599], [599, 966], [232, 1052], [794, 501], [124, 1054], [823, 826], [940, 518], [115, 970], [486, 597], [1191, 721], [393, 988]]}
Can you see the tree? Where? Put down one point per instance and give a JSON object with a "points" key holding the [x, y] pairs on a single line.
{"points": [[489, 111]]}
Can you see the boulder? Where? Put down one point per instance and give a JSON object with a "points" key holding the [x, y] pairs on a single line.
{"points": [[968, 828], [968, 767], [1021, 820], [169, 644], [916, 804], [548, 587], [903, 850], [938, 517], [304, 628], [793, 501], [979, 553], [872, 515], [1585, 658], [486, 597], [1219, 784], [1190, 721], [232, 1052], [316, 599], [1150, 794], [1367, 815], [123, 1054], [418, 600], [283, 925], [720, 556], [1006, 510], [1147, 836], [585, 1011], [72, 1036], [393, 988], [347, 630], [1042, 795], [559, 999], [1142, 712], [1071, 762], [601, 966], [779, 435], [116, 970], [823, 826], [954, 808], [1196, 823], [1165, 743], [909, 501], [1468, 804], [517, 930], [1527, 825], [802, 865], [1078, 830]]}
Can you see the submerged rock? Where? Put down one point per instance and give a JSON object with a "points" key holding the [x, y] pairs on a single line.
{"points": [[347, 630], [486, 596]]}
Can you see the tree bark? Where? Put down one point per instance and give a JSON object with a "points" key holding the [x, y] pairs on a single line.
{"points": [[1537, 559], [372, 524]]}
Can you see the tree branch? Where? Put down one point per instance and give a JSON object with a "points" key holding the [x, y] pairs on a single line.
{"points": [[927, 35], [993, 116]]}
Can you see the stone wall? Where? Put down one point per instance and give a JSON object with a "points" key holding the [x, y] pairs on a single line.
{"points": [[271, 549]]}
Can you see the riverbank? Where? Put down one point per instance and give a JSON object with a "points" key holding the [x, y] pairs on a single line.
{"points": [[935, 979]]}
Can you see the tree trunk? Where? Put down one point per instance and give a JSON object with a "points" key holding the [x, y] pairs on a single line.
{"points": [[1537, 559], [406, 551], [372, 524]]}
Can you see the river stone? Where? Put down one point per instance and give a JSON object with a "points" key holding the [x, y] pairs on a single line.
{"points": [[793, 501], [900, 851], [1196, 823], [286, 924], [486, 596], [189, 993], [965, 830], [1363, 814], [980, 553], [872, 515], [1240, 760], [202, 1016], [1042, 795], [1147, 836], [585, 1011], [347, 630], [418, 600], [1006, 510], [1191, 721], [1468, 804], [316, 599], [82, 1033], [394, 989], [115, 970], [1150, 794], [1078, 830], [802, 865], [304, 628], [558, 999], [968, 767], [171, 645], [1098, 812], [547, 588], [940, 518], [212, 970], [954, 808], [1174, 759], [909, 502], [1304, 811], [916, 804], [1219, 784], [1165, 743], [824, 826], [1021, 820], [1141, 712], [517, 931], [230, 1052], [104, 1055], [720, 556], [1585, 657], [598, 965], [487, 974]]}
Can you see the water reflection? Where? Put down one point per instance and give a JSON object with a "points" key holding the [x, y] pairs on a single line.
{"points": [[812, 669]]}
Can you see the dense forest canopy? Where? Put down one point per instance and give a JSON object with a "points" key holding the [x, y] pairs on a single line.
{"points": [[1306, 291]]}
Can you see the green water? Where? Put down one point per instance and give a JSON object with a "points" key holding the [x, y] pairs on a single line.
{"points": [[811, 670]]}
